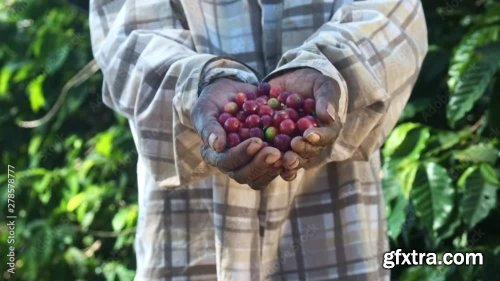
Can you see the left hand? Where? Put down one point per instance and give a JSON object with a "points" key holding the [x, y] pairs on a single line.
{"points": [[308, 82]]}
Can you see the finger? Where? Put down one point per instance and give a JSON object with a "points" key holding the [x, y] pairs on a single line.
{"points": [[266, 179], [305, 149], [204, 118], [293, 161], [213, 134], [233, 158], [259, 166], [289, 175], [271, 174], [321, 136], [327, 93]]}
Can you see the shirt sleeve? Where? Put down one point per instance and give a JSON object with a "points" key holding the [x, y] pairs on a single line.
{"points": [[152, 75], [373, 50]]}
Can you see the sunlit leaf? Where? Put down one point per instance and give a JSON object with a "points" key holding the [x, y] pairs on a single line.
{"points": [[397, 217], [465, 52], [104, 143], [479, 197], [119, 219], [35, 92], [432, 195], [34, 145], [478, 153], [75, 202], [23, 72], [397, 137], [5, 75], [406, 142]]}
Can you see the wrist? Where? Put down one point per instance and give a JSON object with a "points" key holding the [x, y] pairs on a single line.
{"points": [[226, 68]]}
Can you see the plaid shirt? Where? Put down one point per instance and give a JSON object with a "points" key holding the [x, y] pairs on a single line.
{"points": [[194, 222]]}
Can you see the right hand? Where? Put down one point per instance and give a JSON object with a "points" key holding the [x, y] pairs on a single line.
{"points": [[308, 148], [247, 163]]}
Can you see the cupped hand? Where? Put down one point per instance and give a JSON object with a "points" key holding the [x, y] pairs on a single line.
{"points": [[247, 163], [208, 107], [307, 148]]}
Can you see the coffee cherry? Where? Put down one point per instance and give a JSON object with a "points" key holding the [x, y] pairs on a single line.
{"points": [[282, 142], [266, 120], [232, 125], [233, 139], [294, 101], [304, 123], [231, 107], [240, 98], [279, 116], [244, 133], [309, 105], [270, 133], [313, 120], [263, 89], [275, 92], [294, 115], [251, 95], [283, 96], [256, 133], [223, 117], [265, 110], [252, 121], [274, 103], [269, 113], [261, 100], [241, 116], [287, 127], [250, 106]]}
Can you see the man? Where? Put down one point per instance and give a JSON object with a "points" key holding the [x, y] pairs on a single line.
{"points": [[250, 213]]}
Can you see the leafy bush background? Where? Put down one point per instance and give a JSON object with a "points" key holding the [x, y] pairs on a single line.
{"points": [[76, 187]]}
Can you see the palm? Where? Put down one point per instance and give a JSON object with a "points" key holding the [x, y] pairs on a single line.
{"points": [[208, 106], [301, 81]]}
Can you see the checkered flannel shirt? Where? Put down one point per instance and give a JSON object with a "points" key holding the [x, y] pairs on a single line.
{"points": [[194, 222]]}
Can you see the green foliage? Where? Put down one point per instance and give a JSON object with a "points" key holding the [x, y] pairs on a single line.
{"points": [[479, 186], [441, 168], [76, 193], [75, 176], [432, 195]]}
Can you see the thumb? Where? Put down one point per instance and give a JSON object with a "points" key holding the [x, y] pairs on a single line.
{"points": [[326, 96], [203, 117], [213, 134]]}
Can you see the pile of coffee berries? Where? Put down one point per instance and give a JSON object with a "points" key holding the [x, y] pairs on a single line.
{"points": [[271, 114]]}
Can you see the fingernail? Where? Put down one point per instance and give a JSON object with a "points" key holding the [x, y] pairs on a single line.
{"points": [[254, 147], [295, 164], [313, 137], [331, 111], [271, 158], [278, 164], [292, 177], [211, 140]]}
